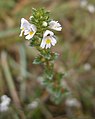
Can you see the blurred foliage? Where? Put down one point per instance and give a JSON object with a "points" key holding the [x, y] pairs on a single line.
{"points": [[76, 60], [7, 5]]}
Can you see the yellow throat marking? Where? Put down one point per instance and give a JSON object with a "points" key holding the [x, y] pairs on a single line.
{"points": [[31, 32], [48, 41], [22, 29]]}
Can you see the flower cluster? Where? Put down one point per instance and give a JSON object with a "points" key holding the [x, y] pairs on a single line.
{"points": [[48, 38], [5, 101], [88, 6]]}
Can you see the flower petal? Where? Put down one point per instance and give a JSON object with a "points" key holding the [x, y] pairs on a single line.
{"points": [[43, 43], [26, 32], [29, 36], [33, 27], [57, 28], [48, 45], [48, 32], [53, 41], [25, 24], [21, 33]]}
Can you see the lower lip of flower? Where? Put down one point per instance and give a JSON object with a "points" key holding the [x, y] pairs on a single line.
{"points": [[31, 32], [48, 41]]}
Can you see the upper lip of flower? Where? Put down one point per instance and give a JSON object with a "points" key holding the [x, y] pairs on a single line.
{"points": [[25, 24], [48, 33]]}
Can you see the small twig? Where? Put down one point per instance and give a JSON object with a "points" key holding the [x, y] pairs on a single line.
{"points": [[23, 73], [44, 110], [10, 83], [16, 67], [1, 83]]}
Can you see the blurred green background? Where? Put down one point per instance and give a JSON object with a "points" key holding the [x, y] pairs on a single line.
{"points": [[19, 78]]}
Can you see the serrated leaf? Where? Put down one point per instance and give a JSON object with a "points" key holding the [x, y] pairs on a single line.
{"points": [[54, 56], [37, 60]]}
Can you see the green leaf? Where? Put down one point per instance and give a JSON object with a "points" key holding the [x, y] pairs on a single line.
{"points": [[54, 56], [49, 73], [50, 56], [38, 60]]}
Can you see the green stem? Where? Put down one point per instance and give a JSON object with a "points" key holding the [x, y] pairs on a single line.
{"points": [[48, 65]]}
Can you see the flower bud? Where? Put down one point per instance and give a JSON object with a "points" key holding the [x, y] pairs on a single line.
{"points": [[44, 23]]}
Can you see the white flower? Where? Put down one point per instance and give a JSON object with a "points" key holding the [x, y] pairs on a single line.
{"points": [[27, 28], [55, 25], [25, 25], [87, 67], [91, 8], [44, 23], [33, 105], [48, 39], [83, 3], [72, 102], [5, 101]]}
